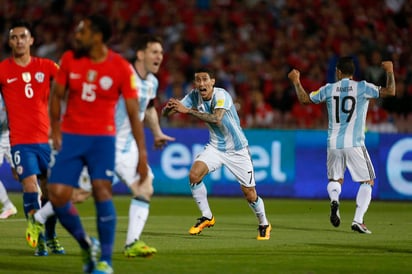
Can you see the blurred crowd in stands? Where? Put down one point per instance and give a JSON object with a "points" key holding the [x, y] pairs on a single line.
{"points": [[252, 45]]}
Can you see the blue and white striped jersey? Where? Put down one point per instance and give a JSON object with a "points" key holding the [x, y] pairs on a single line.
{"points": [[147, 91], [347, 104], [228, 136]]}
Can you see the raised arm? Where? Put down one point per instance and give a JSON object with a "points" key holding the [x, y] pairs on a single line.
{"points": [[390, 88], [301, 93]]}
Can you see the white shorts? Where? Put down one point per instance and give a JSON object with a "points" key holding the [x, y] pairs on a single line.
{"points": [[356, 159], [239, 163], [125, 168], [125, 165], [5, 149]]}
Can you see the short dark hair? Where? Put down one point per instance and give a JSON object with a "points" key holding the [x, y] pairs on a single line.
{"points": [[22, 24], [206, 70], [146, 38], [100, 24], [346, 65]]}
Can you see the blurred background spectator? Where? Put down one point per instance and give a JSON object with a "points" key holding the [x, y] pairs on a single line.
{"points": [[252, 45]]}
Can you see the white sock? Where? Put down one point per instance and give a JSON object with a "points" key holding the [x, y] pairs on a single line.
{"points": [[4, 198], [334, 189], [199, 193], [44, 213], [258, 208], [363, 199], [138, 213]]}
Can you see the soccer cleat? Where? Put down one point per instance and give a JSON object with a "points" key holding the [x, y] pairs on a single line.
{"points": [[264, 232], [361, 228], [201, 223], [334, 213], [55, 246], [41, 248], [33, 230], [103, 267], [8, 212], [90, 255], [139, 248]]}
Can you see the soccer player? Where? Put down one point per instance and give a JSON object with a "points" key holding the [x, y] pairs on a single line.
{"points": [[8, 209], [149, 56], [227, 146], [347, 104], [25, 87], [92, 77]]}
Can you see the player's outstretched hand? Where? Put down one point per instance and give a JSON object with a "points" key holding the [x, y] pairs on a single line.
{"points": [[161, 140]]}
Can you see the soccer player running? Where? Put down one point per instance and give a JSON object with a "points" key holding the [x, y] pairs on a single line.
{"points": [[94, 77], [227, 146], [8, 209], [25, 87], [347, 104]]}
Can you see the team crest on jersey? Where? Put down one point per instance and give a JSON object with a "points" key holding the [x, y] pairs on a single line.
{"points": [[26, 77], [19, 170], [91, 75], [106, 82], [39, 76]]}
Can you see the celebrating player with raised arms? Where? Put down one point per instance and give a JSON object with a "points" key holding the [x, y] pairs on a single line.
{"points": [[347, 103]]}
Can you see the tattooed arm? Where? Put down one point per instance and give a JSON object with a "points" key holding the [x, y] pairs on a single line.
{"points": [[390, 88], [214, 117], [175, 105], [301, 93]]}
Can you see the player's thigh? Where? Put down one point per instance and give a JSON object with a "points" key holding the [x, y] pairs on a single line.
{"points": [[359, 164], [211, 157], [100, 158], [125, 166], [32, 159], [68, 163], [240, 165], [335, 164]]}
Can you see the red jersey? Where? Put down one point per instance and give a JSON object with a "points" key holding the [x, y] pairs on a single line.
{"points": [[26, 92], [93, 91]]}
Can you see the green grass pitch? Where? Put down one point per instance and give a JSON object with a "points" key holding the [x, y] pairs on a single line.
{"points": [[303, 240]]}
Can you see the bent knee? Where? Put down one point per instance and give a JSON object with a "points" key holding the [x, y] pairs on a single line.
{"points": [[250, 194], [197, 172]]}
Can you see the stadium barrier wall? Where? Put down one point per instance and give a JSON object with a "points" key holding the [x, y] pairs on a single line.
{"points": [[288, 163]]}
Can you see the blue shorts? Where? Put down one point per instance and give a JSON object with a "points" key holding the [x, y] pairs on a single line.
{"points": [[97, 153], [31, 159]]}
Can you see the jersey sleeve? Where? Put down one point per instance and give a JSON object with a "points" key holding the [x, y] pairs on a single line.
{"points": [[222, 99], [187, 101], [54, 68], [371, 90], [319, 96], [128, 85], [62, 74]]}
